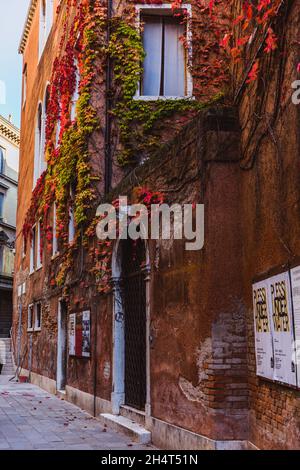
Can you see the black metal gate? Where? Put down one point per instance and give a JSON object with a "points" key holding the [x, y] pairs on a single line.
{"points": [[134, 303]]}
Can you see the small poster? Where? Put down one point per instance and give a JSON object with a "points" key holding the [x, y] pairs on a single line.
{"points": [[282, 329], [295, 281], [86, 334], [263, 335], [72, 331], [78, 343], [80, 334]]}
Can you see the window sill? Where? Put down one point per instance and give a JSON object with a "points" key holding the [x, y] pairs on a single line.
{"points": [[29, 330], [55, 256], [35, 270], [162, 98], [38, 329]]}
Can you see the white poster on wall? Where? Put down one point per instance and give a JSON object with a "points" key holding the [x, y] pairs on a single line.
{"points": [[86, 334], [72, 334], [295, 280], [262, 328], [282, 329]]}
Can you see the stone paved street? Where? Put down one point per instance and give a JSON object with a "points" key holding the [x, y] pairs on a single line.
{"points": [[33, 419]]}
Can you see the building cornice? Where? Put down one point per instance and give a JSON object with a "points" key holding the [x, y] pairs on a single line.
{"points": [[27, 26], [9, 131]]}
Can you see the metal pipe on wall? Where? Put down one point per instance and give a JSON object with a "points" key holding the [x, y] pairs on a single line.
{"points": [[108, 123]]}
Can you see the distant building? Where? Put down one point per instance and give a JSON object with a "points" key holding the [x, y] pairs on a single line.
{"points": [[9, 166]]}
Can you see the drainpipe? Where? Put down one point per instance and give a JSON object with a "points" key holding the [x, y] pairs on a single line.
{"points": [[95, 357], [108, 123]]}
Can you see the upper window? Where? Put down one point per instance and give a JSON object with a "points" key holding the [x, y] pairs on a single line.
{"points": [[165, 65], [39, 248], [38, 317], [46, 20], [40, 164], [33, 250], [75, 94], [30, 318], [2, 161]]}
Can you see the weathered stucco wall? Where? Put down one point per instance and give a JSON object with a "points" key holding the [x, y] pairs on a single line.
{"points": [[270, 192]]}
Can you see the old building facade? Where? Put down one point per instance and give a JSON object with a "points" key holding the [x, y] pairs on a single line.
{"points": [[149, 330], [9, 165]]}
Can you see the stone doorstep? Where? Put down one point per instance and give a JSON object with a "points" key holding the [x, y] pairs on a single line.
{"points": [[134, 415], [131, 429]]}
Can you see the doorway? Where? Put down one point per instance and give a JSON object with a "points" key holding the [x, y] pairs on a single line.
{"points": [[134, 304], [62, 346], [131, 326]]}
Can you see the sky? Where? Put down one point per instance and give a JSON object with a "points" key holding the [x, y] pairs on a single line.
{"points": [[12, 19]]}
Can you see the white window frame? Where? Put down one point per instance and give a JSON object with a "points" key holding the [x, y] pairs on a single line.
{"points": [[36, 327], [37, 145], [39, 261], [75, 97], [140, 8], [30, 309], [40, 163], [45, 24], [32, 268], [71, 228]]}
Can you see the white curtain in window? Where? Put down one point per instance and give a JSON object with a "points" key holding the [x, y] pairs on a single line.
{"points": [[152, 63], [174, 76]]}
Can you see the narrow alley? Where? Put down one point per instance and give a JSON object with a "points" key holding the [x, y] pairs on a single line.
{"points": [[31, 419]]}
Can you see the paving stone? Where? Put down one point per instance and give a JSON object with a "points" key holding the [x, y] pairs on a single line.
{"points": [[32, 419]]}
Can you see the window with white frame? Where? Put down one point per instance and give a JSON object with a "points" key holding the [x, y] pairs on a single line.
{"points": [[40, 163], [46, 20], [38, 144], [38, 317], [76, 93], [39, 246], [30, 318], [166, 63], [33, 250], [58, 128], [71, 225]]}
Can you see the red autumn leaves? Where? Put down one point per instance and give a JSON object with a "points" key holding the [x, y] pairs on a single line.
{"points": [[251, 21]]}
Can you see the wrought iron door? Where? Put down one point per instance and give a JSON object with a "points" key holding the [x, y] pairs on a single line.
{"points": [[134, 302]]}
